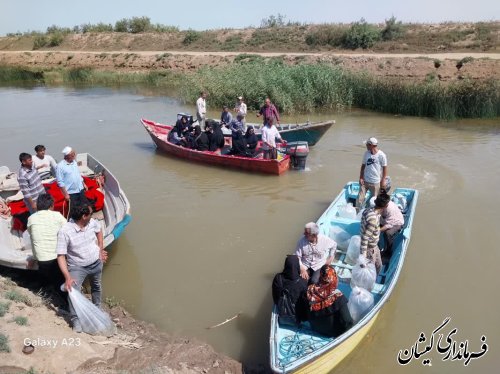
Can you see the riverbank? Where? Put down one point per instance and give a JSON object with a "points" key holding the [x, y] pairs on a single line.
{"points": [[29, 317]]}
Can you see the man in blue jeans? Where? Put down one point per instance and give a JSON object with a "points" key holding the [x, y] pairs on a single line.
{"points": [[81, 254]]}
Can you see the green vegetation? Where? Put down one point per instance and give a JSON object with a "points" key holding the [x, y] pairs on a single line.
{"points": [[4, 343], [4, 308], [20, 320], [40, 41], [55, 39], [112, 302], [361, 35], [191, 36], [296, 88], [300, 88], [461, 99], [393, 29], [304, 88], [17, 297], [332, 35]]}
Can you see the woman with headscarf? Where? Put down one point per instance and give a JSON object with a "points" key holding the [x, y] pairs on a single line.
{"points": [[217, 138], [251, 140], [200, 140], [328, 312], [290, 281], [239, 147]]}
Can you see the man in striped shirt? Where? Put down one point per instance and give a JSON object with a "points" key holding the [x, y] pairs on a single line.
{"points": [[29, 182], [370, 232], [81, 254]]}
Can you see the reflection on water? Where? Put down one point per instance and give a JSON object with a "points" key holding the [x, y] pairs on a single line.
{"points": [[205, 242]]}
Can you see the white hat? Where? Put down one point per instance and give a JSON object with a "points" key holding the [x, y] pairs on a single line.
{"points": [[67, 150], [371, 141], [372, 201], [240, 97]]}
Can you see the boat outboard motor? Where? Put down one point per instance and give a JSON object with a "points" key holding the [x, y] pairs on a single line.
{"points": [[298, 152]]}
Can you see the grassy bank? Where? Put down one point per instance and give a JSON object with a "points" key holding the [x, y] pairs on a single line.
{"points": [[299, 88], [86, 76], [305, 88]]}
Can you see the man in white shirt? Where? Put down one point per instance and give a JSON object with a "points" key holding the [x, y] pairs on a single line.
{"points": [[269, 135], [314, 250], [44, 164], [373, 171], [241, 110], [201, 109]]}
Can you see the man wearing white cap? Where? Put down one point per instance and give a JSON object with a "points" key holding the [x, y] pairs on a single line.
{"points": [[373, 171], [68, 177], [241, 110]]}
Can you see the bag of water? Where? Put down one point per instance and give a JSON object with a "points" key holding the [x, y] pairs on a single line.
{"points": [[360, 303], [353, 250], [364, 274], [94, 321], [341, 237]]}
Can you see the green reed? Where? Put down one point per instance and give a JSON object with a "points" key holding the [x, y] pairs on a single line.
{"points": [[310, 87], [301, 88]]}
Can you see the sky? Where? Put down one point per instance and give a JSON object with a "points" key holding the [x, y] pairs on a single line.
{"points": [[37, 15]]}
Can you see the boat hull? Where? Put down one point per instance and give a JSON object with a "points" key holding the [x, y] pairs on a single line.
{"points": [[15, 252], [287, 353], [328, 361], [159, 134]]}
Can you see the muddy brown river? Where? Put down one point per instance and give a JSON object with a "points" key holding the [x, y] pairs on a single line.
{"points": [[205, 242]]}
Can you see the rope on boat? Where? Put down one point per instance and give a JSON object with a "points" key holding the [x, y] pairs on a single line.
{"points": [[294, 347]]}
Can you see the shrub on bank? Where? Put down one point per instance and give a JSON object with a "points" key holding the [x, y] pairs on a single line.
{"points": [[39, 41], [361, 35]]}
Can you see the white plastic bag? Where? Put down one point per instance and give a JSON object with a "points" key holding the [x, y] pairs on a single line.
{"points": [[94, 321], [27, 241], [360, 303], [364, 274], [347, 211], [400, 201], [353, 250], [341, 237]]}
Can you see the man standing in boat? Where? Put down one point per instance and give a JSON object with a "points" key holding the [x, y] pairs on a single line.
{"points": [[269, 113], [81, 254], [241, 110], [201, 109], [29, 182], [370, 231], [314, 250], [69, 179], [373, 171]]}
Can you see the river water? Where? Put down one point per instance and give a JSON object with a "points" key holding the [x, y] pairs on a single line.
{"points": [[205, 243]]}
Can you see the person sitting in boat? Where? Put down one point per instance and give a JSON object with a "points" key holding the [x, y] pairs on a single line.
{"points": [[370, 231], [43, 163], [216, 138], [251, 140], [237, 125], [226, 117], [391, 221], [290, 282], [328, 311], [180, 134], [201, 141], [239, 147], [314, 250]]}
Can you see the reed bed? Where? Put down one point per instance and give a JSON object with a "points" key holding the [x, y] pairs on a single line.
{"points": [[301, 88], [305, 88]]}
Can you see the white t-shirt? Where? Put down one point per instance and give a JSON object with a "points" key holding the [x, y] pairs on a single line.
{"points": [[242, 109], [269, 135], [201, 106], [373, 166], [47, 164]]}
